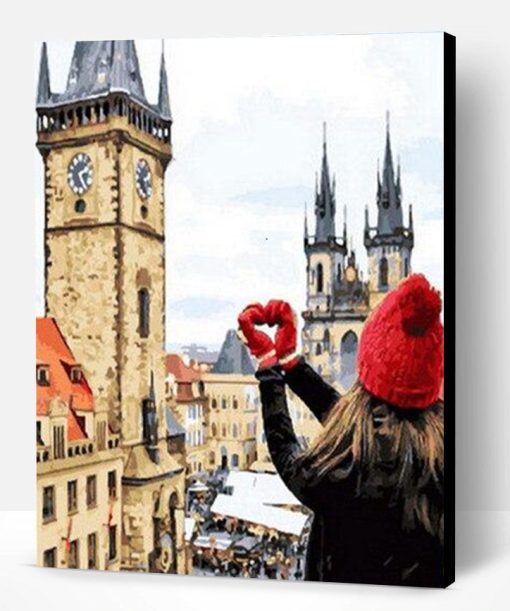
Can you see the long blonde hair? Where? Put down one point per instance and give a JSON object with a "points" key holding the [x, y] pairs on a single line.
{"points": [[348, 445]]}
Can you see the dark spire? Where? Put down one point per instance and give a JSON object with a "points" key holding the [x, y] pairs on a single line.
{"points": [[102, 67], [324, 199], [43, 86], [163, 96], [306, 223], [152, 393], [388, 192]]}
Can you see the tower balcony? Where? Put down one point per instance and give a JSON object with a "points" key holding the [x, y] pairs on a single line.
{"points": [[332, 244], [118, 112]]}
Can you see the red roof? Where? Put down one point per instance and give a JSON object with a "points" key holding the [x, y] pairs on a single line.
{"points": [[184, 374], [52, 351]]}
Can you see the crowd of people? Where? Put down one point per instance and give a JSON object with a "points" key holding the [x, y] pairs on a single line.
{"points": [[246, 550]]}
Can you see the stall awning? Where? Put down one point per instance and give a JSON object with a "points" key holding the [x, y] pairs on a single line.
{"points": [[243, 508]]}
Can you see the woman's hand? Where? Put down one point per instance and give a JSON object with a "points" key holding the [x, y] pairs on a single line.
{"points": [[280, 313], [259, 344]]}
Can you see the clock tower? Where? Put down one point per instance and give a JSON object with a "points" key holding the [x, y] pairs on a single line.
{"points": [[105, 150]]}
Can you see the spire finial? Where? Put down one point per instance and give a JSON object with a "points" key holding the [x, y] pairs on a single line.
{"points": [[43, 85], [324, 134], [387, 121], [163, 96]]}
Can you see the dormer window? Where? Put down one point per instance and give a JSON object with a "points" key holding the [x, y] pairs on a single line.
{"points": [[75, 374], [43, 375]]}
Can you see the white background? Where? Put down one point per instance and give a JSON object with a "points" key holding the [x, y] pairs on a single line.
{"points": [[483, 204]]}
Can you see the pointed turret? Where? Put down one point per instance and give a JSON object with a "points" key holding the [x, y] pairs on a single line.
{"points": [[163, 95], [43, 85], [324, 200], [389, 219]]}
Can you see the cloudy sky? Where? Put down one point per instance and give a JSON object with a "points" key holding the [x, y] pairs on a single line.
{"points": [[247, 138]]}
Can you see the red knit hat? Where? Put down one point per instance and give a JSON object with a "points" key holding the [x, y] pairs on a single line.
{"points": [[400, 358]]}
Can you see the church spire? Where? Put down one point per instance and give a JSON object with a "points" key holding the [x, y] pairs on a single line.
{"points": [[324, 199], [163, 96], [43, 86], [389, 219]]}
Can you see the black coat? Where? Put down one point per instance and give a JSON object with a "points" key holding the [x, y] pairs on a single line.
{"points": [[352, 539]]}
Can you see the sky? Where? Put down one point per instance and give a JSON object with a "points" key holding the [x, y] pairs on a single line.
{"points": [[247, 140]]}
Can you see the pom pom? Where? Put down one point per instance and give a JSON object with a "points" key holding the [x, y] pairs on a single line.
{"points": [[420, 305]]}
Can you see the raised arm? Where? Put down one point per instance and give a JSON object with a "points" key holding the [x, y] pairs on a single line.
{"points": [[308, 385], [284, 448]]}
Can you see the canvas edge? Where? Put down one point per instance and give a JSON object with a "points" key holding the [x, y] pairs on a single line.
{"points": [[449, 59]]}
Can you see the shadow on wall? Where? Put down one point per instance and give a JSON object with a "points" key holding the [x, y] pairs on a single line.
{"points": [[482, 417]]}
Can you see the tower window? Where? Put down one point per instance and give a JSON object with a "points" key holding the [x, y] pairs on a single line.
{"points": [[320, 278], [80, 206], [143, 312], [383, 273], [406, 267], [326, 340], [318, 349], [348, 356]]}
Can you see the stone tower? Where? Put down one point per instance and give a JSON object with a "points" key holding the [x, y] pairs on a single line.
{"points": [[337, 299], [105, 150], [389, 244]]}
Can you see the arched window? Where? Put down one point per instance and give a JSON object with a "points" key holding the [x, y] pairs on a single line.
{"points": [[348, 354], [320, 278], [235, 460], [234, 430], [234, 403], [214, 404], [224, 403], [383, 273], [214, 429], [326, 340], [318, 349], [143, 312], [406, 267]]}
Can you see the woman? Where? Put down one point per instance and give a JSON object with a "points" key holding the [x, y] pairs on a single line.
{"points": [[374, 476]]}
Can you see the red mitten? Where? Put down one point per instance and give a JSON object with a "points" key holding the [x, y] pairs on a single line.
{"points": [[280, 313], [259, 344]]}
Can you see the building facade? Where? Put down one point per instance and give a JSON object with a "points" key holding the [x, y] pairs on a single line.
{"points": [[339, 299], [105, 150], [79, 463], [185, 393], [234, 403]]}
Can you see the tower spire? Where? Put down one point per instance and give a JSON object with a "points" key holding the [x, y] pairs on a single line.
{"points": [[163, 96], [324, 198], [43, 86]]}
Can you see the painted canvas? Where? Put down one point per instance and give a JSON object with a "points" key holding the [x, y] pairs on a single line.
{"points": [[245, 282]]}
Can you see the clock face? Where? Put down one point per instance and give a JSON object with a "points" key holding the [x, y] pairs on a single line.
{"points": [[79, 173], [143, 179]]}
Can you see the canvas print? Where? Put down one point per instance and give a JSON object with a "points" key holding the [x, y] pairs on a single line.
{"points": [[244, 249]]}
